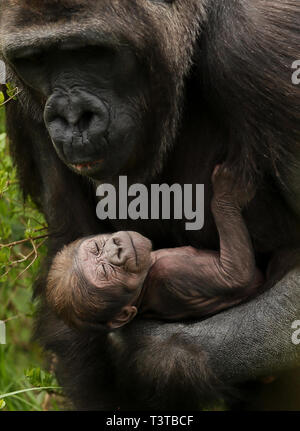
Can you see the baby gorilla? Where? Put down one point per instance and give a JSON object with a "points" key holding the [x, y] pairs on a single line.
{"points": [[104, 280]]}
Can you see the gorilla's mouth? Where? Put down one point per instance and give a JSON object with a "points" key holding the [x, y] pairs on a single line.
{"points": [[87, 168]]}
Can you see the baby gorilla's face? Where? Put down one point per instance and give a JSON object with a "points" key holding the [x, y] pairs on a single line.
{"points": [[123, 258], [99, 279]]}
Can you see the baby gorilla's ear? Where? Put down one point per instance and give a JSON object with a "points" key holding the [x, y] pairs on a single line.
{"points": [[125, 316]]}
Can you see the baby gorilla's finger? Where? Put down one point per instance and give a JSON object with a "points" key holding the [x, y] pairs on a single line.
{"points": [[222, 180], [215, 173], [226, 188]]}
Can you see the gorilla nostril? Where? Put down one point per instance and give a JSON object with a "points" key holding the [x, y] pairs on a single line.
{"points": [[120, 249], [118, 246], [85, 121]]}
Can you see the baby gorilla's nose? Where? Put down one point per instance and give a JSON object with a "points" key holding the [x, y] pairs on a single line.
{"points": [[130, 248], [118, 248]]}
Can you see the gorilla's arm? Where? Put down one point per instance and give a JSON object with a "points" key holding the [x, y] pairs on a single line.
{"points": [[240, 344], [147, 365]]}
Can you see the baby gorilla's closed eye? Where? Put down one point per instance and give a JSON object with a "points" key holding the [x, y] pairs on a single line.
{"points": [[97, 248], [85, 290]]}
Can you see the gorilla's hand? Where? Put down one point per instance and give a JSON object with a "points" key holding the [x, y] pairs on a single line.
{"points": [[243, 343]]}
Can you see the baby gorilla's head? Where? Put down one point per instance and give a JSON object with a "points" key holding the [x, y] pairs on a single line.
{"points": [[96, 281]]}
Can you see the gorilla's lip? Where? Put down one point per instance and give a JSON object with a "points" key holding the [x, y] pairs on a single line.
{"points": [[87, 167]]}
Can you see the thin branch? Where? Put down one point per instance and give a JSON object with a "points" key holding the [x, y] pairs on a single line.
{"points": [[13, 318], [33, 260], [22, 391], [23, 241], [11, 97], [25, 258]]}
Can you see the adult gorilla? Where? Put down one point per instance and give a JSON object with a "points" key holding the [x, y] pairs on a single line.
{"points": [[162, 91]]}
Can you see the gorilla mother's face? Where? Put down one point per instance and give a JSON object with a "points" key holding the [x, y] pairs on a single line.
{"points": [[105, 76], [91, 114]]}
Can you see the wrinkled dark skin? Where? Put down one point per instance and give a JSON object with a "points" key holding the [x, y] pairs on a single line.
{"points": [[97, 280], [213, 281], [219, 279], [111, 260], [162, 92]]}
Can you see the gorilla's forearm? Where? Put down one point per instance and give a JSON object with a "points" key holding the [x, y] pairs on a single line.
{"points": [[255, 338], [242, 343], [153, 365]]}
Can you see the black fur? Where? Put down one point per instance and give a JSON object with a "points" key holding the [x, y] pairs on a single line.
{"points": [[219, 90]]}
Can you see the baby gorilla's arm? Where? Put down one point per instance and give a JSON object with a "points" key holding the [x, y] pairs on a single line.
{"points": [[100, 278], [236, 263], [190, 283]]}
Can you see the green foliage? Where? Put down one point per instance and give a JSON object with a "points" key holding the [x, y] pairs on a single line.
{"points": [[11, 92], [22, 244], [40, 378], [2, 128]]}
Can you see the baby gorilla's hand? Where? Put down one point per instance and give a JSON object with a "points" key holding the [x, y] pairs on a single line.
{"points": [[228, 190]]}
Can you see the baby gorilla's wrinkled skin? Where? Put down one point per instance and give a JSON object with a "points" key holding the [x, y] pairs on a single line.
{"points": [[97, 280], [121, 258], [111, 277]]}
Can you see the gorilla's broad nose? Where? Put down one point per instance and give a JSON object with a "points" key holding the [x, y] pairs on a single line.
{"points": [[77, 122]]}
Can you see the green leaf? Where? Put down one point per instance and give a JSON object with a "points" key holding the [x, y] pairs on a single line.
{"points": [[2, 404], [11, 90], [39, 378]]}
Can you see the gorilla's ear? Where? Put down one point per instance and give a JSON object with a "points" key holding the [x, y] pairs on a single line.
{"points": [[125, 316]]}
